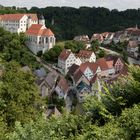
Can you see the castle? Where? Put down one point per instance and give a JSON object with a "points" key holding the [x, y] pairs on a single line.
{"points": [[39, 37]]}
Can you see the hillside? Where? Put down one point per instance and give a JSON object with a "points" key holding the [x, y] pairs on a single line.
{"points": [[68, 22]]}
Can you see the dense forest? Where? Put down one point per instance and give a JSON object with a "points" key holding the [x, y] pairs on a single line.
{"points": [[67, 22]]}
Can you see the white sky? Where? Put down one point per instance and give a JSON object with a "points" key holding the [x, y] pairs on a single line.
{"points": [[111, 4]]}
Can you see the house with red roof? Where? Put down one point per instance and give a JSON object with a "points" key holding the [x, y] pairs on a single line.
{"points": [[98, 37], [101, 62], [86, 56], [17, 23], [62, 88], [90, 69], [39, 38], [115, 62], [66, 59]]}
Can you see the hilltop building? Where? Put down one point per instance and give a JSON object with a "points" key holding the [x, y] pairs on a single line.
{"points": [[39, 38], [17, 23]]}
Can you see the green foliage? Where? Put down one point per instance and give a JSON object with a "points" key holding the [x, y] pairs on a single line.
{"points": [[12, 10], [66, 127], [53, 53], [101, 53], [69, 22], [95, 45], [19, 95], [74, 46], [96, 111], [13, 47], [72, 127]]}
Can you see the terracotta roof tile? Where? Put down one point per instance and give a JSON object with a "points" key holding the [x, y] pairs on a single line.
{"points": [[16, 17], [73, 69], [92, 66], [39, 30], [102, 63], [77, 75], [93, 80], [33, 16], [64, 54], [113, 58], [84, 54], [110, 64], [63, 84]]}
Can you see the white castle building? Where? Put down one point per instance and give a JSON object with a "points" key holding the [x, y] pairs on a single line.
{"points": [[17, 23], [39, 38]]}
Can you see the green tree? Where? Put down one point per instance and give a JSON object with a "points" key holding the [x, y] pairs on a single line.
{"points": [[95, 45], [19, 95]]}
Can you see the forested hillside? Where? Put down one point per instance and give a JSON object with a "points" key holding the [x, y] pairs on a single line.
{"points": [[67, 22]]}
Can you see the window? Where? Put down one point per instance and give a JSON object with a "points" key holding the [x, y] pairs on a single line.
{"points": [[46, 40], [51, 39]]}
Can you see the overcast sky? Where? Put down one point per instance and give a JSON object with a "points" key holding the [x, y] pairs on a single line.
{"points": [[111, 4]]}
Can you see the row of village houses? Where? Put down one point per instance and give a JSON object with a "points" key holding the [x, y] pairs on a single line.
{"points": [[85, 75], [131, 35]]}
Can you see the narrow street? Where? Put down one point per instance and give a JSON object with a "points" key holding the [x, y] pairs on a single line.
{"points": [[48, 67]]}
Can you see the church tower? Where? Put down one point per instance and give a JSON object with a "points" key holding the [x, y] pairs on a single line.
{"points": [[42, 20]]}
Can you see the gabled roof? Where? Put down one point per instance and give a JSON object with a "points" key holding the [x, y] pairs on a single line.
{"points": [[77, 75], [84, 54], [39, 30], [51, 78], [33, 16], [64, 54], [93, 80], [63, 84], [40, 73], [93, 66], [16, 17], [102, 63], [113, 58], [73, 69]]}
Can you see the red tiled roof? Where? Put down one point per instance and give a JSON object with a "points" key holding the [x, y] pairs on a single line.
{"points": [[63, 84], [113, 58], [12, 17], [84, 54], [92, 66], [93, 80], [110, 64], [102, 63], [77, 75], [16, 17], [38, 29], [73, 69], [33, 16], [64, 54]]}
